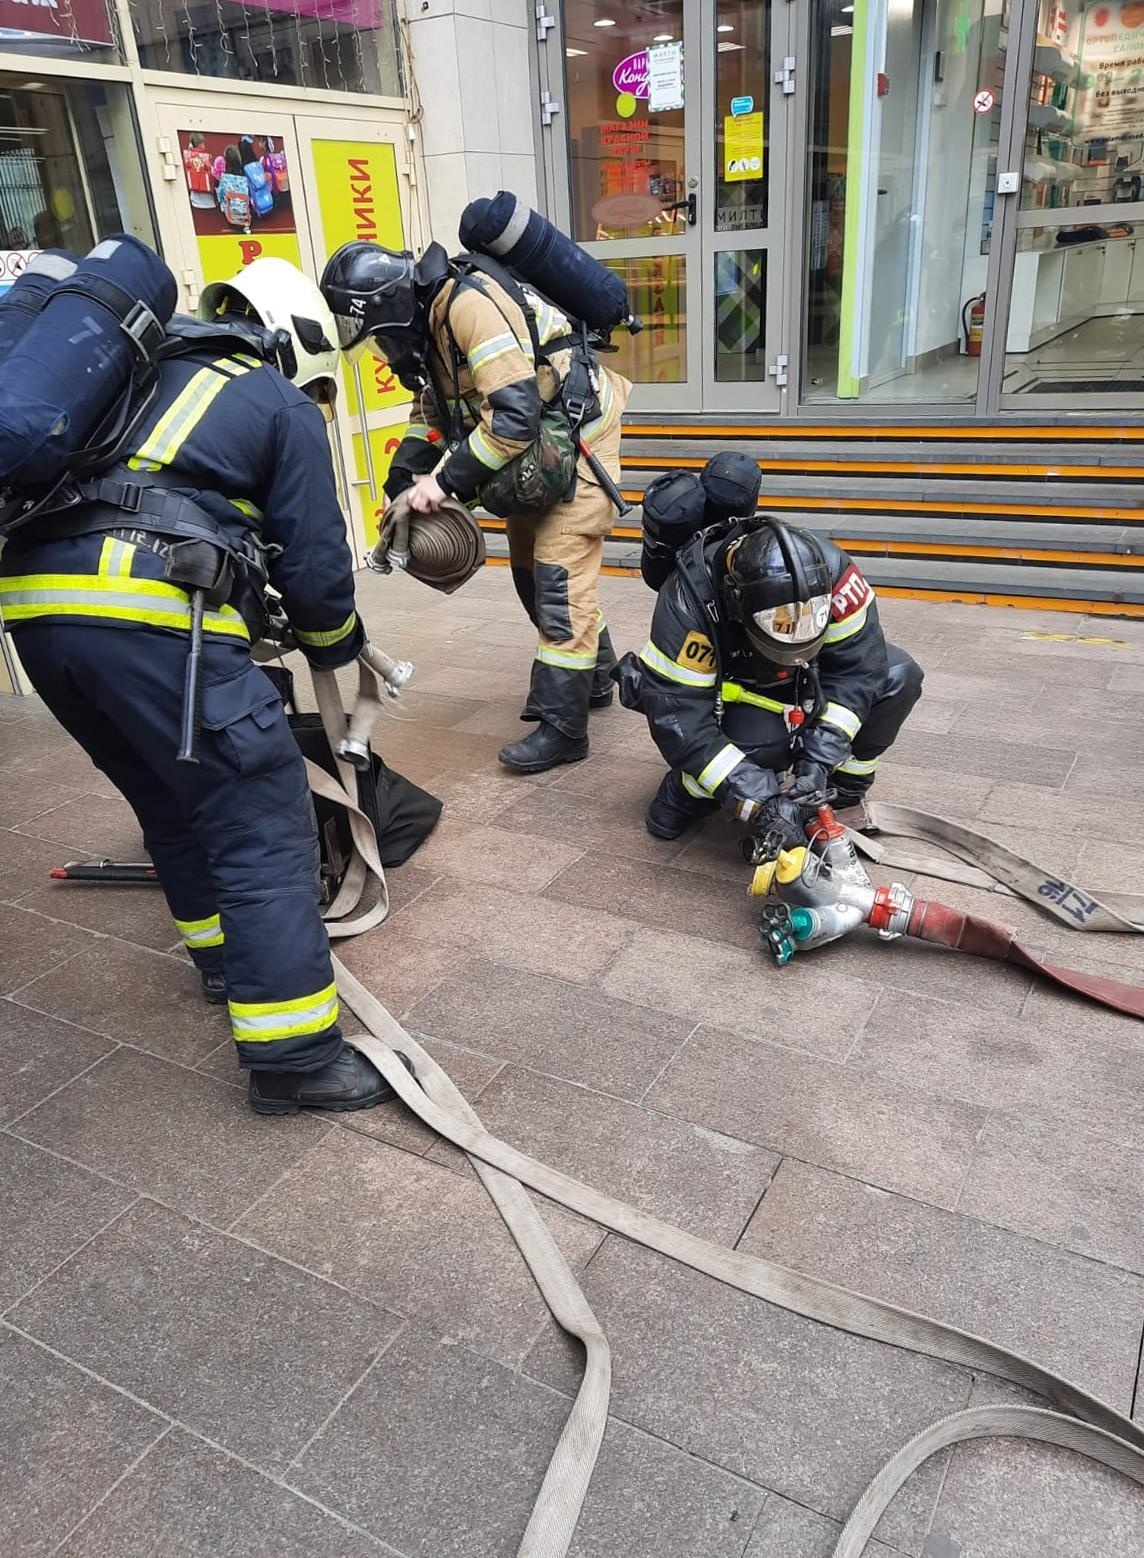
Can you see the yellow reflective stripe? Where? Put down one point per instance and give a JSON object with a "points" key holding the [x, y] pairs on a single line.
{"points": [[728, 758], [115, 558], [201, 933], [839, 631], [497, 346], [842, 718], [479, 445], [23, 597], [184, 414], [418, 430], [655, 659], [251, 510], [692, 787], [324, 640], [259, 1022], [857, 765], [566, 658], [733, 693]]}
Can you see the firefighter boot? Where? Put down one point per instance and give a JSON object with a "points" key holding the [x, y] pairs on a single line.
{"points": [[544, 748], [214, 985], [603, 688], [673, 810], [348, 1082]]}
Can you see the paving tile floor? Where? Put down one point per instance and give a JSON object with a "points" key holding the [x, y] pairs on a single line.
{"points": [[312, 1338]]}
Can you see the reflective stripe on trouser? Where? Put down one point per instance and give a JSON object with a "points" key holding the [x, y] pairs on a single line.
{"points": [[232, 836], [562, 550]]}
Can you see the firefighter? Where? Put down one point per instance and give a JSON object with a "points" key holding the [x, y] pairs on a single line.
{"points": [[462, 334], [766, 656], [103, 636]]}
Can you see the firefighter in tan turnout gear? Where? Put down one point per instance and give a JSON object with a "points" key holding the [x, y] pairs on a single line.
{"points": [[491, 362]]}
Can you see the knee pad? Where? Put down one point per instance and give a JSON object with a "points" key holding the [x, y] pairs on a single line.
{"points": [[553, 611], [904, 677]]}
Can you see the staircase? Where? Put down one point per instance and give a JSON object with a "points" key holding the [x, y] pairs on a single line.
{"points": [[1051, 517]]}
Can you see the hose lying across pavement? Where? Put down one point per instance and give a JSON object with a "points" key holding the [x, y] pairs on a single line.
{"points": [[1084, 1423]]}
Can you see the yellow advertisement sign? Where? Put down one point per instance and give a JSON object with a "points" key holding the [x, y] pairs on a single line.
{"points": [[742, 147], [359, 197], [383, 445], [223, 256]]}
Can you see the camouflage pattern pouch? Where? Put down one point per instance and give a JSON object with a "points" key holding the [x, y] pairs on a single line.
{"points": [[539, 477]]}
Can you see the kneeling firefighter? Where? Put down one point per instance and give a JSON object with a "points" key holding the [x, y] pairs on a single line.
{"points": [[508, 383], [222, 479], [765, 655]]}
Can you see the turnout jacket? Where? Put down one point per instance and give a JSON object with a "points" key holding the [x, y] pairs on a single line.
{"points": [[692, 665], [502, 391], [251, 450]]}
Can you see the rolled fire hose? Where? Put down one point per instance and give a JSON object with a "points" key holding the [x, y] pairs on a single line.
{"points": [[1086, 1424], [443, 549]]}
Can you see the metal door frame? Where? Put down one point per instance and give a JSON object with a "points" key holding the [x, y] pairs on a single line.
{"points": [[782, 120]]}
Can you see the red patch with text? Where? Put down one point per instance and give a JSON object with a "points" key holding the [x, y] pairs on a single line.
{"points": [[851, 594]]}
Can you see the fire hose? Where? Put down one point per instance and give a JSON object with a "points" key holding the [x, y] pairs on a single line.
{"points": [[1082, 1423], [822, 891]]}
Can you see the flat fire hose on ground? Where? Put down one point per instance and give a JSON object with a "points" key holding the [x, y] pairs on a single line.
{"points": [[1083, 1422]]}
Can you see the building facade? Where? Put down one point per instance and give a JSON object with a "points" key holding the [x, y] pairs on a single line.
{"points": [[859, 210]]}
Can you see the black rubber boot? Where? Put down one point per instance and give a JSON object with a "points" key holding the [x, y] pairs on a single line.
{"points": [[347, 1083], [673, 811], [544, 748], [603, 687], [214, 985]]}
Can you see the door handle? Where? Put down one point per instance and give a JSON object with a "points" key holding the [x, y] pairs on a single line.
{"points": [[690, 205]]}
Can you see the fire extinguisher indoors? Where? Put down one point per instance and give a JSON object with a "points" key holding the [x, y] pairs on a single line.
{"points": [[973, 324]]}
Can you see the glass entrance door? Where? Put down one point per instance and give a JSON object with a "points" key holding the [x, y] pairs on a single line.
{"points": [[1074, 331], [668, 162]]}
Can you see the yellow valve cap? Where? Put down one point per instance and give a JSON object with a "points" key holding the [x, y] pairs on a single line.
{"points": [[762, 879], [788, 867]]}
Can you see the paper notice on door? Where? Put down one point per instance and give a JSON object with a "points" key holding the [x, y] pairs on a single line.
{"points": [[665, 78], [742, 147]]}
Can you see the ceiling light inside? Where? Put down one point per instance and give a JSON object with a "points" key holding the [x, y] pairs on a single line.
{"points": [[730, 48], [605, 21], [663, 37], [724, 27], [841, 32], [573, 53]]}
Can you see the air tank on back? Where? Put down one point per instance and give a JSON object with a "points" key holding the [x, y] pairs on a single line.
{"points": [[30, 291], [543, 257], [75, 362]]}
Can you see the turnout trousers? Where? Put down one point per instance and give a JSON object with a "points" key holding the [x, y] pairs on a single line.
{"points": [[555, 559], [764, 738], [232, 837]]}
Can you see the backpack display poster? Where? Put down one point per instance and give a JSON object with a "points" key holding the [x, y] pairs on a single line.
{"points": [[239, 190]]}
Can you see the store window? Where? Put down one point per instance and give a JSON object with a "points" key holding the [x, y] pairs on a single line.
{"points": [[69, 168], [657, 292], [626, 119], [339, 45], [65, 29], [1076, 320], [905, 117]]}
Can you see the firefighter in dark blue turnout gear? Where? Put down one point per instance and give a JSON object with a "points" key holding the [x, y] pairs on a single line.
{"points": [[766, 658], [103, 635]]}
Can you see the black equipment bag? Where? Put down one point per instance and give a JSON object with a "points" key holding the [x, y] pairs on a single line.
{"points": [[400, 812]]}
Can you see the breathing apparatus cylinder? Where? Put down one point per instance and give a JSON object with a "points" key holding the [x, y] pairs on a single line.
{"points": [[674, 508], [543, 257], [73, 370], [30, 291]]}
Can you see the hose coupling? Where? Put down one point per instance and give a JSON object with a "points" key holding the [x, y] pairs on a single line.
{"points": [[890, 915]]}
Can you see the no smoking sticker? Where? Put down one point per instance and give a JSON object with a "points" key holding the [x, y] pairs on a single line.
{"points": [[984, 101]]}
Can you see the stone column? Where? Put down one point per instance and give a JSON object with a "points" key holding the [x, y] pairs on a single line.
{"points": [[473, 71]]}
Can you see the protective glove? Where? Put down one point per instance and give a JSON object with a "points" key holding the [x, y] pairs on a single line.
{"points": [[786, 816], [747, 789], [810, 778]]}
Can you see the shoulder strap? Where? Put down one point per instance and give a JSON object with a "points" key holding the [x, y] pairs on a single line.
{"points": [[476, 265]]}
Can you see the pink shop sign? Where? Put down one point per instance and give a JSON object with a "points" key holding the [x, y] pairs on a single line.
{"points": [[631, 75]]}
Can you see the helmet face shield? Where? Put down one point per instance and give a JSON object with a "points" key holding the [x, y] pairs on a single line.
{"points": [[791, 633]]}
